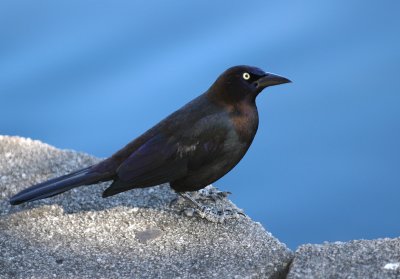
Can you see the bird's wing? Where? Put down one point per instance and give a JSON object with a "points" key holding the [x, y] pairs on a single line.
{"points": [[152, 163], [205, 142], [164, 159]]}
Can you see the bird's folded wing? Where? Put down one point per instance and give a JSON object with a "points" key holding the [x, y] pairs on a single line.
{"points": [[164, 158], [153, 163]]}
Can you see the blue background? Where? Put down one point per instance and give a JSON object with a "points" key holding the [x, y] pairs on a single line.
{"points": [[92, 75]]}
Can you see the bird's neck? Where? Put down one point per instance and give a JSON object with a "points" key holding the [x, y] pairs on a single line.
{"points": [[244, 116]]}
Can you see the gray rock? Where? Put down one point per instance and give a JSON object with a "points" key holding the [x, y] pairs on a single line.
{"points": [[138, 234], [378, 259]]}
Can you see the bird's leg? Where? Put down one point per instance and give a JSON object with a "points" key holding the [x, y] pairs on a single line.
{"points": [[208, 213]]}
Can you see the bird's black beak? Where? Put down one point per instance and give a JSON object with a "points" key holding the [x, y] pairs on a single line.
{"points": [[270, 80]]}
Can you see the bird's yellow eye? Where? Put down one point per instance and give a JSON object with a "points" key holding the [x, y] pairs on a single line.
{"points": [[246, 76]]}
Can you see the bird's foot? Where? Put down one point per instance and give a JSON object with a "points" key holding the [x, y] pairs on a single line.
{"points": [[209, 213], [220, 216], [212, 193]]}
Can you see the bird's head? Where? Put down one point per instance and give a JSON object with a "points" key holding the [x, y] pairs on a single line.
{"points": [[243, 83]]}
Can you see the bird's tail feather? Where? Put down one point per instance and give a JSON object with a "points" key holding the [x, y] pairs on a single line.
{"points": [[56, 186]]}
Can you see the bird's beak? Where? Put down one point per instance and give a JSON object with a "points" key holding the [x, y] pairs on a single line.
{"points": [[270, 80]]}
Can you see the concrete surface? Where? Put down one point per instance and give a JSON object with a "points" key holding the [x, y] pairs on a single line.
{"points": [[378, 259], [137, 234]]}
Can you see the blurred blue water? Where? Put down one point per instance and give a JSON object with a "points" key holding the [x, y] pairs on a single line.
{"points": [[92, 75]]}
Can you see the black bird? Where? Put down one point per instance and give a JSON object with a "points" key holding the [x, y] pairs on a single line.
{"points": [[191, 148]]}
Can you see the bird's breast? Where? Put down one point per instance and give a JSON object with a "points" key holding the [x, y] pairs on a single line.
{"points": [[244, 118]]}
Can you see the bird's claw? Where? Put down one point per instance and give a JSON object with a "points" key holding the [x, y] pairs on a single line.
{"points": [[212, 193], [220, 216], [207, 212], [218, 196]]}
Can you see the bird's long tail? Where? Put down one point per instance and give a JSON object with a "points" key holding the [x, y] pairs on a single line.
{"points": [[57, 185]]}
